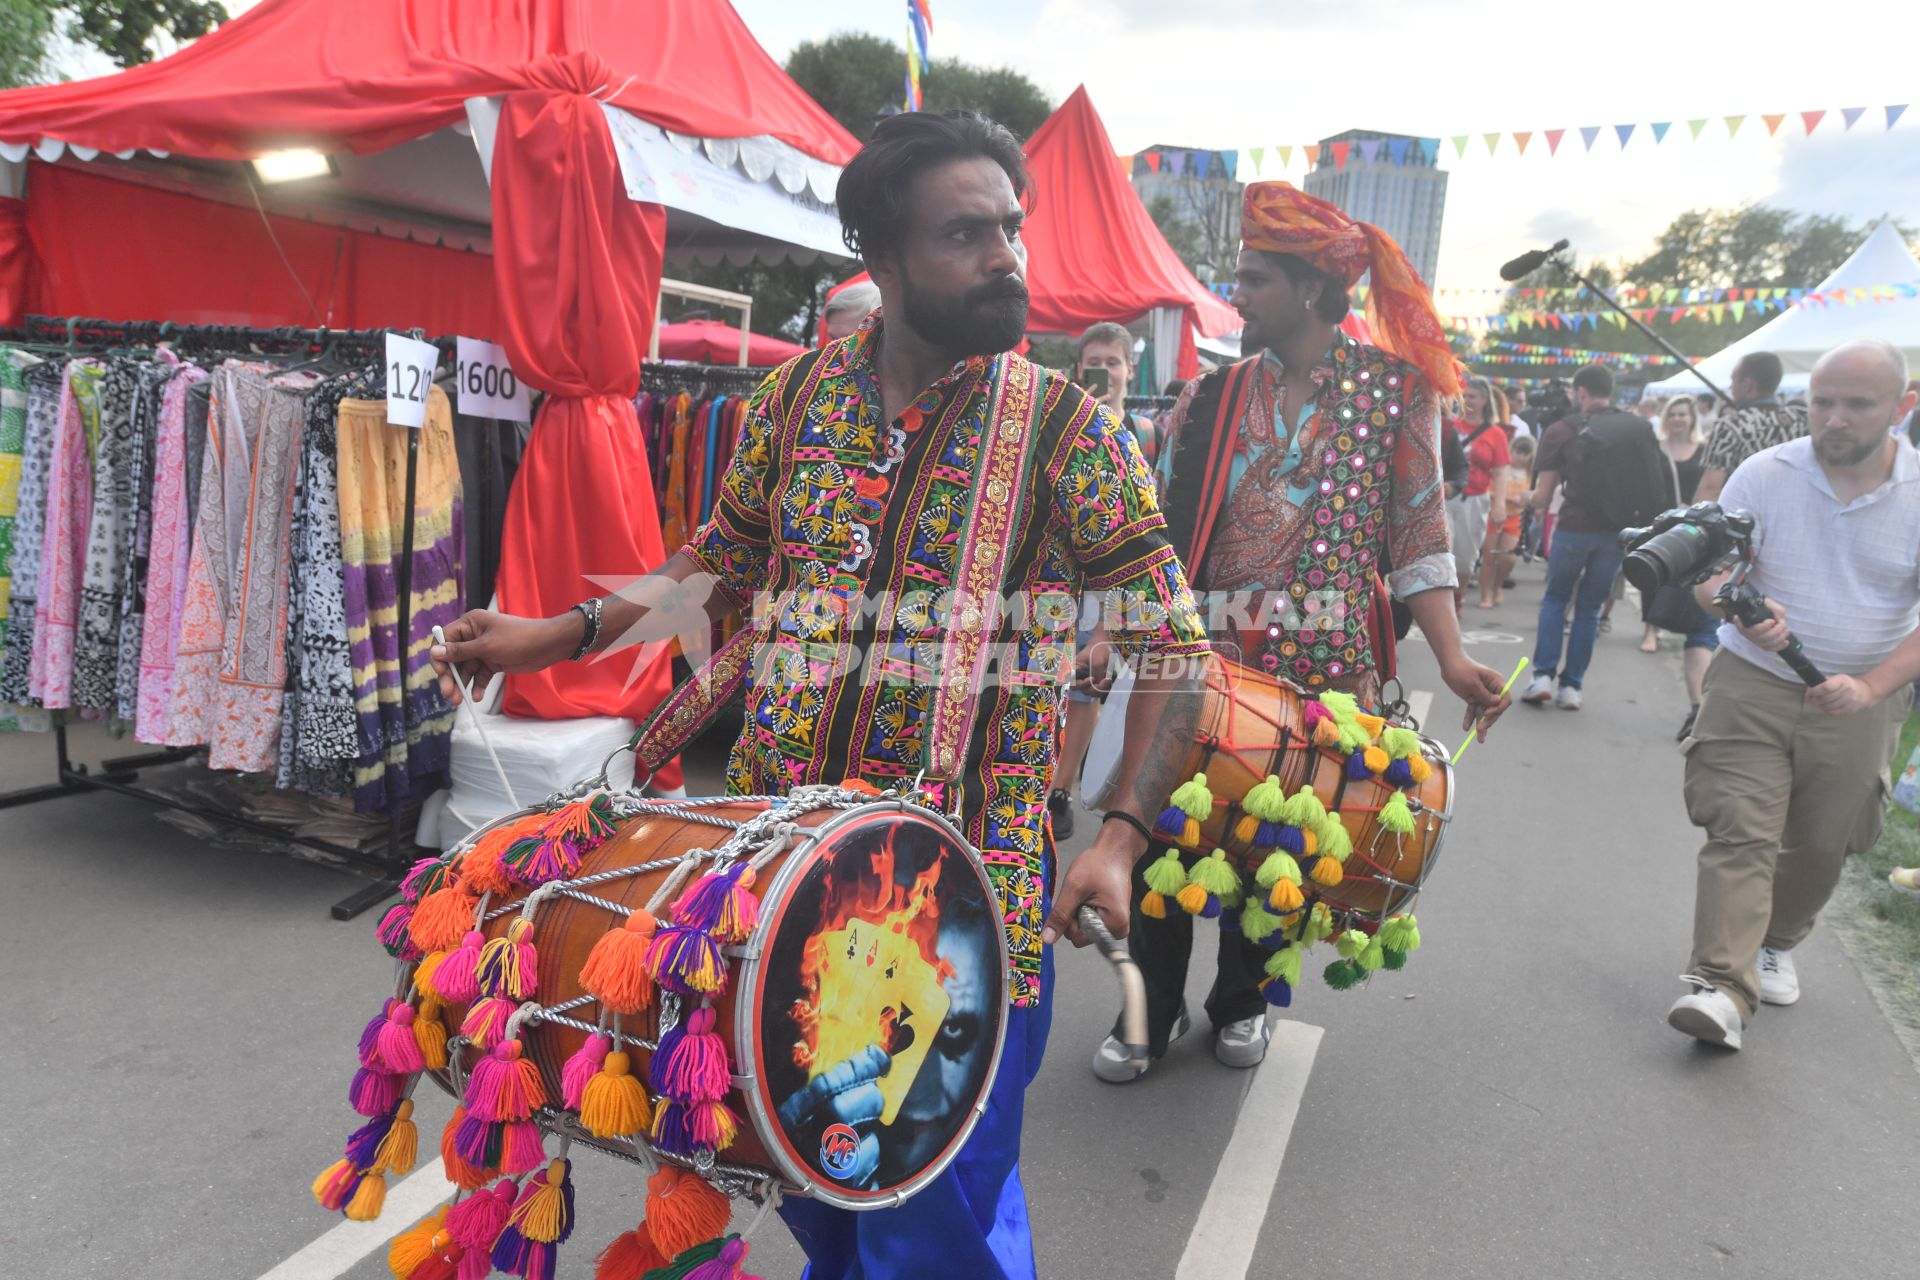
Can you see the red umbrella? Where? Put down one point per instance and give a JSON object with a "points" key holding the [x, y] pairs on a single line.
{"points": [[711, 342]]}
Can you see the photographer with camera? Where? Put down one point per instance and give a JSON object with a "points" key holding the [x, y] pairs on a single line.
{"points": [[1787, 766], [1615, 475]]}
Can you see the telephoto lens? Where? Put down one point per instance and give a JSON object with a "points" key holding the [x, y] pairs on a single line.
{"points": [[1675, 554]]}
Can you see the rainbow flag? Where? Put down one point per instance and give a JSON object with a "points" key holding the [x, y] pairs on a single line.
{"points": [[919, 36]]}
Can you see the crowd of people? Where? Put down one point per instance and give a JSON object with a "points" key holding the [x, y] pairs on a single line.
{"points": [[1319, 465]]}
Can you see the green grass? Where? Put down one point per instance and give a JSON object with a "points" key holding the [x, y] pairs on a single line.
{"points": [[1879, 927]]}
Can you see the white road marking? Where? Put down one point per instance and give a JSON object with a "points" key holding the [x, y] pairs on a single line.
{"points": [[1221, 1246], [1419, 702], [335, 1253]]}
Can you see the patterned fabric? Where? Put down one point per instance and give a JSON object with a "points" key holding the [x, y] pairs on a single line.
{"points": [[1278, 218], [830, 502], [169, 548], [319, 733], [63, 553], [46, 384], [13, 442], [404, 726], [230, 693], [1746, 430], [1312, 513], [96, 650], [149, 394]]}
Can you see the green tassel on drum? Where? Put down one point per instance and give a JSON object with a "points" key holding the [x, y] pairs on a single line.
{"points": [[1165, 877]]}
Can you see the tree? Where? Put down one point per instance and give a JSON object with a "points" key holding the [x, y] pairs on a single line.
{"points": [[1184, 237], [859, 77], [122, 29]]}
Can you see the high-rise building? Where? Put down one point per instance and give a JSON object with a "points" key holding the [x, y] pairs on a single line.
{"points": [[1392, 181], [1201, 194]]}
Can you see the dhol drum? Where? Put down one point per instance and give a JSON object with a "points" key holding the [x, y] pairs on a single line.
{"points": [[1302, 819], [802, 995]]}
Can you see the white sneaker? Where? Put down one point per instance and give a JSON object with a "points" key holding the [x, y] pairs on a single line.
{"points": [[1243, 1043], [1540, 692], [1569, 699], [1708, 1014], [1779, 980], [1112, 1064]]}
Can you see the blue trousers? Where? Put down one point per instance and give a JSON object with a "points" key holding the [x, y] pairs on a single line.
{"points": [[1580, 568], [968, 1224]]}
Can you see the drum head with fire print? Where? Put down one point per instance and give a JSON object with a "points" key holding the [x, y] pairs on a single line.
{"points": [[880, 1001]]}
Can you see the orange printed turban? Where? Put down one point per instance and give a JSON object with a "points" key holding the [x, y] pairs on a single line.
{"points": [[1279, 218]]}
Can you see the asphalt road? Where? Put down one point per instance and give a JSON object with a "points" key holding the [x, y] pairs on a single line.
{"points": [[180, 1028]]}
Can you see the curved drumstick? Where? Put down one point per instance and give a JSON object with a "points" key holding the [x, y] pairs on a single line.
{"points": [[1133, 988]]}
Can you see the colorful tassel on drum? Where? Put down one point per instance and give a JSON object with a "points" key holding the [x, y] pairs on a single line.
{"points": [[583, 1066], [1396, 816], [357, 1193], [1280, 876], [374, 1093], [683, 1211], [554, 850], [522, 1148], [1330, 835], [486, 1022], [1259, 925], [509, 966], [1343, 975], [1320, 725], [1399, 937], [430, 1034], [391, 1046], [616, 972], [1166, 877], [1353, 734], [1211, 885], [1402, 747], [504, 1085], [424, 1241], [629, 1256], [722, 903], [540, 1223], [393, 934], [387, 1144], [460, 1171], [1265, 804], [1283, 975], [614, 1105], [423, 878], [687, 1128], [480, 865], [687, 960], [456, 979], [476, 1222], [443, 917], [1190, 805], [725, 1265], [691, 1063]]}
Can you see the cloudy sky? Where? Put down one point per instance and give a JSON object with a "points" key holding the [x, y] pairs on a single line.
{"points": [[1236, 74]]}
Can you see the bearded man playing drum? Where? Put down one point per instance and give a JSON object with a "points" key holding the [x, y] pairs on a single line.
{"points": [[915, 461], [1293, 479]]}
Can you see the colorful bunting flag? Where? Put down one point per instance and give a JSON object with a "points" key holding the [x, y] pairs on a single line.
{"points": [[1397, 148], [1493, 142], [1812, 118], [1589, 132], [1199, 161], [1340, 150], [1520, 140], [1553, 140], [1460, 144], [1370, 150], [1259, 155], [1176, 162], [1696, 126], [1286, 156], [1894, 113], [1733, 124], [1153, 161], [1230, 164], [1773, 123], [1660, 128], [1625, 131]]}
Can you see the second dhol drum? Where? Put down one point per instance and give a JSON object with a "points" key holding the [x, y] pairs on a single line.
{"points": [[1300, 819]]}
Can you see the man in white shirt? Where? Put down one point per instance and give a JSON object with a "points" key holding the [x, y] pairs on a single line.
{"points": [[1788, 781]]}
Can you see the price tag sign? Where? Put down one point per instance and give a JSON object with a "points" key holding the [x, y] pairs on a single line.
{"points": [[410, 365], [488, 387]]}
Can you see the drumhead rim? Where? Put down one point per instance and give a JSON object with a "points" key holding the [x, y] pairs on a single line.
{"points": [[746, 1030]]}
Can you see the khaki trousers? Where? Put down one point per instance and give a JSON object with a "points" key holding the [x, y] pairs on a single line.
{"points": [[1786, 793]]}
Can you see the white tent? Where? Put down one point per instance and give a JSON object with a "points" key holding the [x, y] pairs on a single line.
{"points": [[1803, 334]]}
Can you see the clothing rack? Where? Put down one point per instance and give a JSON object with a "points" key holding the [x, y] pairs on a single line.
{"points": [[657, 377], [120, 775]]}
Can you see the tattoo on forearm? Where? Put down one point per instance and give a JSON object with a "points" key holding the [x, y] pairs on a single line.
{"points": [[1172, 741]]}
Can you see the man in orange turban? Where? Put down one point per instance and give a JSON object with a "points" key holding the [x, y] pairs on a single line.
{"points": [[1307, 478]]}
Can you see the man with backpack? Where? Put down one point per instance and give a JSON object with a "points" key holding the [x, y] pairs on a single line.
{"points": [[1616, 477]]}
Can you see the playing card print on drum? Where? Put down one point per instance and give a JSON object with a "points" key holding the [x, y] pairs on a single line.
{"points": [[879, 991]]}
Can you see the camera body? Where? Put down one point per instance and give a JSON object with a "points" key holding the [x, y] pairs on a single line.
{"points": [[1686, 545]]}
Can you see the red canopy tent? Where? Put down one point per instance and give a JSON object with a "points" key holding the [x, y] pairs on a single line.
{"points": [[1093, 252], [711, 342], [576, 263]]}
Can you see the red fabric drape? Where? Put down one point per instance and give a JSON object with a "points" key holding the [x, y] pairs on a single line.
{"points": [[578, 266], [16, 260], [118, 250]]}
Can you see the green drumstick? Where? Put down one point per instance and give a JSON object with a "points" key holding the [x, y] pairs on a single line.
{"points": [[1505, 689]]}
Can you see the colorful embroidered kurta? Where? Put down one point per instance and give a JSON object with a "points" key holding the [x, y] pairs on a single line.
{"points": [[851, 524], [170, 546], [110, 535], [46, 389], [63, 553], [1319, 496]]}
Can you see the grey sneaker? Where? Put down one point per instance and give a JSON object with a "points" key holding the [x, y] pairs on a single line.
{"points": [[1779, 980], [1110, 1061], [1243, 1043]]}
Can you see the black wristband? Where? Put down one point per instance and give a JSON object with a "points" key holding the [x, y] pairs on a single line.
{"points": [[1115, 815], [589, 610]]}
